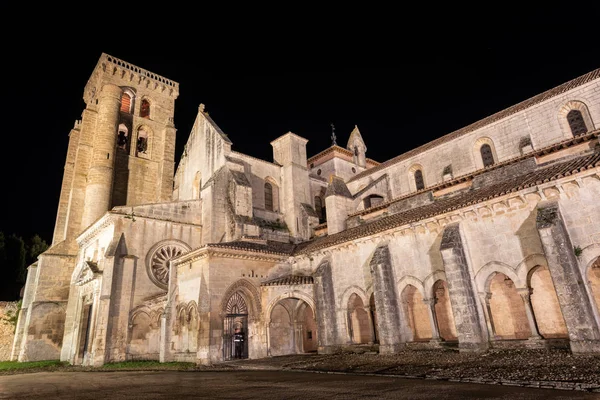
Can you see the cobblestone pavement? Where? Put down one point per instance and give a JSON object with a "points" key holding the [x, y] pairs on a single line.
{"points": [[557, 369]]}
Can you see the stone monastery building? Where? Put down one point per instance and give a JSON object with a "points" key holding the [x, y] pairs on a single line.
{"points": [[486, 237]]}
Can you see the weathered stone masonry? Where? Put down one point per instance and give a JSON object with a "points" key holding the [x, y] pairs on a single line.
{"points": [[487, 237]]}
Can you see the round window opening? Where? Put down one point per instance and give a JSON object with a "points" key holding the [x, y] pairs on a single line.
{"points": [[157, 261], [353, 170], [318, 172]]}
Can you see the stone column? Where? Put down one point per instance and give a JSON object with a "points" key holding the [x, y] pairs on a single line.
{"points": [[325, 309], [564, 269], [526, 296], [487, 311], [371, 325], [435, 329], [98, 190], [460, 288], [390, 319]]}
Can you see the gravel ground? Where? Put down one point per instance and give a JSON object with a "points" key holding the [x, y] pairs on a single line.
{"points": [[528, 367]]}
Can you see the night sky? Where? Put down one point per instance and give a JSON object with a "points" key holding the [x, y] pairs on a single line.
{"points": [[401, 89]]}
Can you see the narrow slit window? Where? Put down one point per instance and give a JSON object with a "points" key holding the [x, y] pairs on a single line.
{"points": [[419, 183], [145, 109]]}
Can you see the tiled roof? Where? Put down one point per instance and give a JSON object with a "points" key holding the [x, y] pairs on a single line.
{"points": [[289, 280], [544, 174], [485, 121], [462, 178], [268, 246]]}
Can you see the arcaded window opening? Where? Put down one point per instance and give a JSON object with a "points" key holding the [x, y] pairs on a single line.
{"points": [[123, 137], [507, 310], [268, 196], [142, 142], [576, 122], [546, 308], [358, 318], [417, 313]]}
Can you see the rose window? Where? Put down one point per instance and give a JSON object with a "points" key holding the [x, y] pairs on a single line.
{"points": [[158, 266]]}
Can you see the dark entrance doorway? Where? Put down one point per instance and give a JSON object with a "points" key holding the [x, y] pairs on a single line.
{"points": [[85, 325], [236, 318]]}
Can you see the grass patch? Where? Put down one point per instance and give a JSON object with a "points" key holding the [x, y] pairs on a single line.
{"points": [[14, 365], [149, 364]]}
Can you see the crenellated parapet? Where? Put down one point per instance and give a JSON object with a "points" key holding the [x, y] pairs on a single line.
{"points": [[130, 75]]}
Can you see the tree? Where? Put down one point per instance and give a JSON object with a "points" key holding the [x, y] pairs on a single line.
{"points": [[36, 246], [15, 256]]}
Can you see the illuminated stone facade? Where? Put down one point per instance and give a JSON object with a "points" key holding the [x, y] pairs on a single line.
{"points": [[485, 237]]}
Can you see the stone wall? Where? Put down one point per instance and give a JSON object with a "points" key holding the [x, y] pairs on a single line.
{"points": [[542, 122], [7, 330]]}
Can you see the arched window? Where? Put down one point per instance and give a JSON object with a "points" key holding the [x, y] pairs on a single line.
{"points": [[576, 122], [268, 196], [356, 151], [419, 183], [125, 103], [145, 109], [486, 155], [142, 142]]}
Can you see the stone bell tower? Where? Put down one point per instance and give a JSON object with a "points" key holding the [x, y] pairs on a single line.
{"points": [[121, 152]]}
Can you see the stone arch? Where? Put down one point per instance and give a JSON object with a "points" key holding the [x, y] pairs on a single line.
{"points": [[416, 311], [588, 255], [345, 296], [524, 268], [291, 324], [139, 309], [287, 295], [430, 281], [506, 308], [358, 319], [477, 151], [158, 259], [250, 294], [592, 279], [411, 176], [487, 272], [544, 303], [127, 99], [576, 105], [144, 335], [411, 280]]}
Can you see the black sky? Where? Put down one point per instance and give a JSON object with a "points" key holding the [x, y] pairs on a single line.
{"points": [[403, 86]]}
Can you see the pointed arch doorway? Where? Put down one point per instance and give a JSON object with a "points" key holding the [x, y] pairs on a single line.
{"points": [[236, 317]]}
